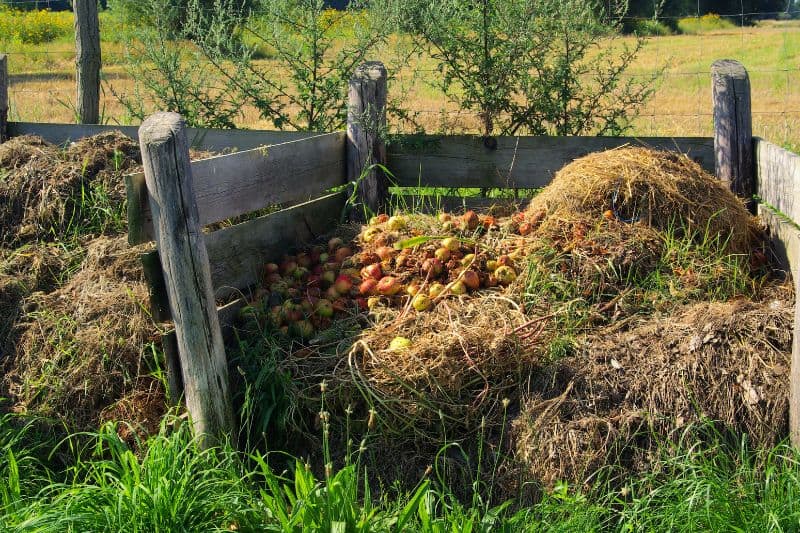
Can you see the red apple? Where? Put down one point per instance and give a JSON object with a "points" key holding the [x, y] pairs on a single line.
{"points": [[343, 253], [431, 267], [388, 286], [343, 284], [471, 279], [373, 271], [367, 286], [470, 220]]}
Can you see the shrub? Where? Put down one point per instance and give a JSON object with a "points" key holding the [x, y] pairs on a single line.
{"points": [[646, 28], [704, 24], [34, 27], [544, 67]]}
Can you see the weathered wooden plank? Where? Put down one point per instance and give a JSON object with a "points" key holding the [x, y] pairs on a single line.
{"points": [[366, 121], [3, 98], [172, 362], [185, 263], [778, 177], [456, 204], [786, 242], [515, 162], [136, 206], [199, 138], [169, 343], [156, 286], [87, 60], [234, 184], [238, 253], [733, 127]]}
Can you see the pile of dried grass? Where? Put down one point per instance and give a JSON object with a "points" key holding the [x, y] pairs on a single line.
{"points": [[41, 193], [464, 358], [615, 401], [81, 346], [28, 269], [659, 188]]}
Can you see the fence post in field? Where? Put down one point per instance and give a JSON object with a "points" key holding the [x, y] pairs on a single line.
{"points": [[733, 127], [184, 260], [87, 60], [3, 98], [366, 122]]}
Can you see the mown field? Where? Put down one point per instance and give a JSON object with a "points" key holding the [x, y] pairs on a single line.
{"points": [[42, 78]]}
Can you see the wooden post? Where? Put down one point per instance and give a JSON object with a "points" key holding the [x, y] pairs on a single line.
{"points": [[733, 128], [184, 259], [87, 60], [366, 122], [3, 98]]}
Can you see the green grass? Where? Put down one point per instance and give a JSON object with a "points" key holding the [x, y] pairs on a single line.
{"points": [[172, 484]]}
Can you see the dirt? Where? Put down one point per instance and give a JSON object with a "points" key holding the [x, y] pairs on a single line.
{"points": [[625, 394]]}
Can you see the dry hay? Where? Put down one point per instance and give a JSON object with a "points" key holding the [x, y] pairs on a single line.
{"points": [[612, 404], [662, 189], [463, 360], [81, 346], [40, 193], [30, 268]]}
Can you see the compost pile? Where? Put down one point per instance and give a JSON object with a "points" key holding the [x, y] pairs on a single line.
{"points": [[44, 193], [77, 343], [433, 329]]}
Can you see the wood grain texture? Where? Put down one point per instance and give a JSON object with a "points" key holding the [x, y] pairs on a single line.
{"points": [[778, 177], [169, 343], [733, 127], [201, 139], [87, 60], [785, 238], [187, 276], [516, 162], [231, 185], [3, 98], [366, 122], [238, 253], [156, 286]]}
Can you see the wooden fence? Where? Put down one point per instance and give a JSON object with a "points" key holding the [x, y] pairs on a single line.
{"points": [[199, 279]]}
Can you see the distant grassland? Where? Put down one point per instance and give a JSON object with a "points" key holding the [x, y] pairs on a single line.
{"points": [[42, 78]]}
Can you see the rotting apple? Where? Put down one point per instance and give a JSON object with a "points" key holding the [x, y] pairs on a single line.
{"points": [[388, 286]]}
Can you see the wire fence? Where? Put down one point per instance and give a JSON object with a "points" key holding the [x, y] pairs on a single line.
{"points": [[43, 87]]}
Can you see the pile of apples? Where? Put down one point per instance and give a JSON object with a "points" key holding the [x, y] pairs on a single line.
{"points": [[389, 264]]}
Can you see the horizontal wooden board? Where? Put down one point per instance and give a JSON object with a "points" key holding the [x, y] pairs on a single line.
{"points": [[778, 178], [199, 138], [237, 254], [515, 162], [234, 184], [169, 342], [785, 237]]}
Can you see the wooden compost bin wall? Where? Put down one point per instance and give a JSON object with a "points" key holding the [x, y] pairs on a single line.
{"points": [[777, 183], [292, 170]]}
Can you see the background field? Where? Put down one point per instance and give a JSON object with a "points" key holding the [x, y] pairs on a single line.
{"points": [[42, 81]]}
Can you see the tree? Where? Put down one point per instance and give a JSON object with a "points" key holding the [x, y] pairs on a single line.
{"points": [[536, 66], [314, 52]]}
